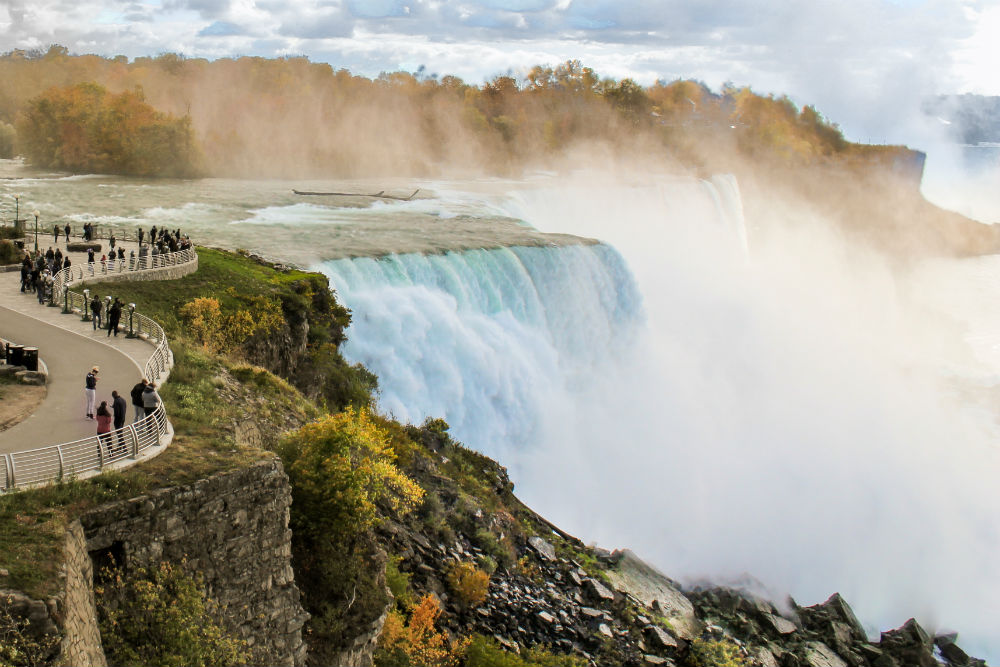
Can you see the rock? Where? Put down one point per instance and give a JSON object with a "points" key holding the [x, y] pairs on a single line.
{"points": [[31, 377], [841, 611], [910, 645], [780, 625], [764, 657], [575, 578], [547, 617], [605, 630], [656, 591], [653, 660], [544, 549], [596, 591], [591, 613], [950, 650], [659, 638], [818, 654], [4, 572]]}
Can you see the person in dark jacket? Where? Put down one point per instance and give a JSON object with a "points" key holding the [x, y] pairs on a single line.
{"points": [[114, 317], [95, 311], [118, 408], [137, 405]]}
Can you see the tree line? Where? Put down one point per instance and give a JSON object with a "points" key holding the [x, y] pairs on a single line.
{"points": [[251, 116]]}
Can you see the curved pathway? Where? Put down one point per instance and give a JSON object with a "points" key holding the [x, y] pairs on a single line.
{"points": [[69, 347], [68, 355]]}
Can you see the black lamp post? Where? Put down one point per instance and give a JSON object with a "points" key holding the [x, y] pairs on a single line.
{"points": [[86, 305], [35, 213], [131, 312]]}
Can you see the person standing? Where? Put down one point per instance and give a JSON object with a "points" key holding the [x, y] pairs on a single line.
{"points": [[90, 390], [67, 229], [114, 317], [111, 240], [118, 408], [137, 404], [95, 311], [55, 232], [142, 233], [104, 425]]}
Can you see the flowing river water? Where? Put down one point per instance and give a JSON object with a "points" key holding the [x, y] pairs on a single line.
{"points": [[785, 405]]}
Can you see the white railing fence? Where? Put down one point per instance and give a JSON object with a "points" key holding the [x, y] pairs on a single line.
{"points": [[72, 459], [93, 454], [71, 274]]}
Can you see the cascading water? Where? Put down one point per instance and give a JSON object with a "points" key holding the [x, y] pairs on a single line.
{"points": [[486, 338], [792, 416]]}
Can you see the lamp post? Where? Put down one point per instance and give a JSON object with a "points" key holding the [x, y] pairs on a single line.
{"points": [[35, 213], [86, 305], [17, 209], [131, 312]]}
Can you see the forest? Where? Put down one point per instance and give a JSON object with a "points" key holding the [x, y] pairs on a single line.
{"points": [[290, 117]]}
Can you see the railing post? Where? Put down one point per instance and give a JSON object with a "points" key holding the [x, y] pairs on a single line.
{"points": [[11, 473], [8, 462], [61, 463], [100, 455], [135, 440]]}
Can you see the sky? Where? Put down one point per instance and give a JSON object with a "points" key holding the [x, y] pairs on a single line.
{"points": [[855, 60]]}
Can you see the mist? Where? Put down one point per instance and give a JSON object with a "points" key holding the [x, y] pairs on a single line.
{"points": [[802, 414]]}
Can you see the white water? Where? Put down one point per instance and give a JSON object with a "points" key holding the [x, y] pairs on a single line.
{"points": [[797, 416]]}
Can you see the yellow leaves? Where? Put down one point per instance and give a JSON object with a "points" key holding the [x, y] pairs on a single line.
{"points": [[468, 583], [223, 332], [418, 640], [341, 467]]}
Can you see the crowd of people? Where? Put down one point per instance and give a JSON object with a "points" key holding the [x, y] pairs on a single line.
{"points": [[38, 270]]}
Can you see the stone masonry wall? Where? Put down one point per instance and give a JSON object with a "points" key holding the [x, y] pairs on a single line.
{"points": [[232, 528], [81, 644]]}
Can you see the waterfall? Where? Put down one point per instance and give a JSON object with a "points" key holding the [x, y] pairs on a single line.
{"points": [[486, 338], [791, 413]]}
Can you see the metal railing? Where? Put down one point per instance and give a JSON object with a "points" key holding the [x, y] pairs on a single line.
{"points": [[92, 454], [71, 274]]}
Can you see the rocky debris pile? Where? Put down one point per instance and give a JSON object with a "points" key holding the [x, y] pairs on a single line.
{"points": [[823, 635], [617, 609], [545, 600]]}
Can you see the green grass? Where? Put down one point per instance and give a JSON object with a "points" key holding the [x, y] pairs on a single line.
{"points": [[228, 277]]}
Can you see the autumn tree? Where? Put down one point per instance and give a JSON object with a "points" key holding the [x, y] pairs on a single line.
{"points": [[84, 128]]}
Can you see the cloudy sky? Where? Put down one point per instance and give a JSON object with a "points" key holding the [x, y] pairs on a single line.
{"points": [[854, 59]]}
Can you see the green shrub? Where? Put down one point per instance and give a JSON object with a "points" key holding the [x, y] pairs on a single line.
{"points": [[10, 253], [486, 652], [159, 617], [714, 653], [398, 582], [20, 646]]}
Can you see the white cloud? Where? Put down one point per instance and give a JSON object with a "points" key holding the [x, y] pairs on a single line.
{"points": [[857, 60]]}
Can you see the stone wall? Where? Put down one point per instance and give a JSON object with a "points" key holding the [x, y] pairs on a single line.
{"points": [[231, 528], [81, 644]]}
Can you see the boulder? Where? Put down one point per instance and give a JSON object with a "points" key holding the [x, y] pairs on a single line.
{"points": [[818, 654], [544, 549], [910, 645], [657, 591], [659, 638], [31, 377], [781, 626], [950, 650], [597, 592]]}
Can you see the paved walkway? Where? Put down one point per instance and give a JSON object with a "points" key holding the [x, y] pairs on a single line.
{"points": [[69, 347]]}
